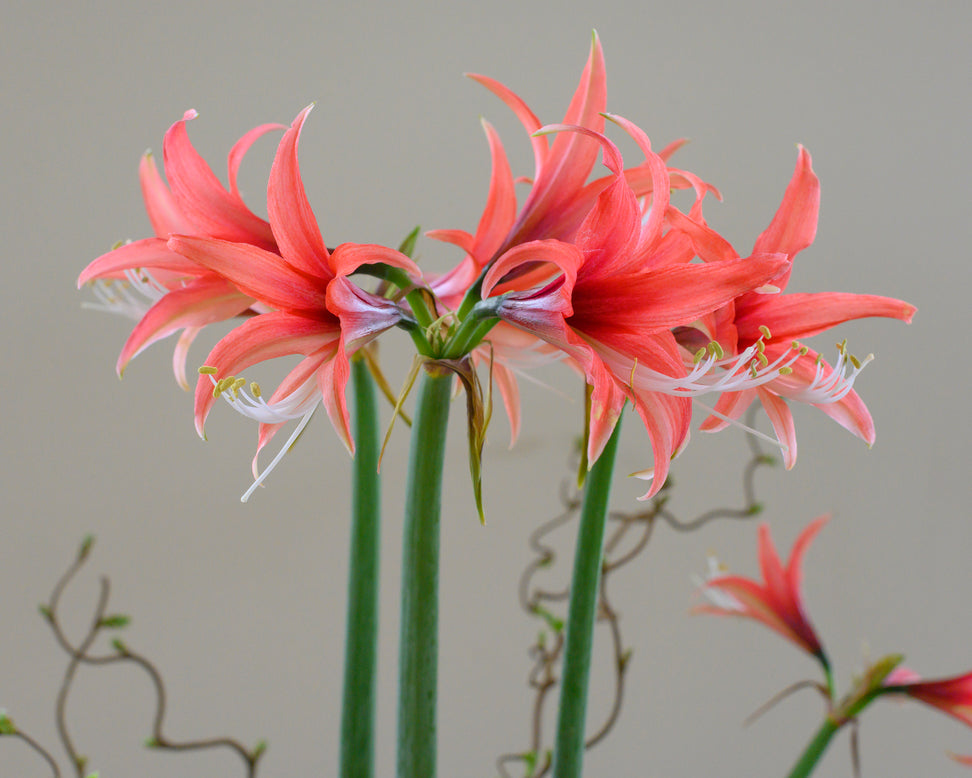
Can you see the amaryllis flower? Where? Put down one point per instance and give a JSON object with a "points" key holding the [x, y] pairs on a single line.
{"points": [[601, 301], [162, 290], [313, 309], [778, 323], [778, 601], [952, 696]]}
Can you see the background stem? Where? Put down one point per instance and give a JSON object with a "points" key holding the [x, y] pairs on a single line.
{"points": [[569, 743], [419, 645], [360, 647]]}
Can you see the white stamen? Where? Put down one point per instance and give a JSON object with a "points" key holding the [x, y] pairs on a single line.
{"points": [[280, 454], [717, 597]]}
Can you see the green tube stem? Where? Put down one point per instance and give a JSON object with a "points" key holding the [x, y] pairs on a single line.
{"points": [[814, 750], [569, 744], [419, 639], [357, 758]]}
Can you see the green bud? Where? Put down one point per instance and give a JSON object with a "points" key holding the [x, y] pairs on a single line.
{"points": [[6, 725], [755, 509], [115, 621], [261, 746], [151, 742], [85, 549], [45, 612], [119, 646]]}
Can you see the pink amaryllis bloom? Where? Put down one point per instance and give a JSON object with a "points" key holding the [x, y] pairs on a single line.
{"points": [[778, 323], [952, 696], [602, 302], [162, 290], [314, 310], [778, 601]]}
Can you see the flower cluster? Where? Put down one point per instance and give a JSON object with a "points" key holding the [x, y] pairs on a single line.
{"points": [[778, 604], [603, 271]]}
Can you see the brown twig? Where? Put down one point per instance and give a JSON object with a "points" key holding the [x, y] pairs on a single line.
{"points": [[79, 654]]}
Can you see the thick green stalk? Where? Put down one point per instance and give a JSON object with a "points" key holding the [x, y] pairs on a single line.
{"points": [[419, 644], [569, 744], [811, 755], [360, 647]]}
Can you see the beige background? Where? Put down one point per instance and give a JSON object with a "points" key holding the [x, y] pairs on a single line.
{"points": [[242, 605]]}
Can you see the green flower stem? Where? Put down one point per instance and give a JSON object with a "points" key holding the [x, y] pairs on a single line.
{"points": [[360, 648], [569, 744], [419, 645], [811, 755]]}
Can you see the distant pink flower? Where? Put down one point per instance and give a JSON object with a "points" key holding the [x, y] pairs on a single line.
{"points": [[166, 293], [313, 309], [778, 602], [775, 322]]}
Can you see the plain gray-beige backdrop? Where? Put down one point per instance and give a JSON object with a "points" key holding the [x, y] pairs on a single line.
{"points": [[241, 606]]}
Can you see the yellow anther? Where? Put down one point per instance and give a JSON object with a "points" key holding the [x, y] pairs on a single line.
{"points": [[786, 370], [117, 244], [237, 384], [766, 331], [631, 377], [752, 369], [795, 344], [697, 357], [716, 349], [804, 350], [819, 358], [760, 347], [854, 361], [255, 389], [842, 346], [763, 360], [223, 384], [208, 370]]}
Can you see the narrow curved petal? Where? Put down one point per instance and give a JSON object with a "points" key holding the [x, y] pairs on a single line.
{"points": [[149, 252], [795, 316], [263, 337], [528, 119], [291, 217], [181, 354], [206, 300], [258, 273], [730, 404], [500, 211], [348, 257], [780, 417], [794, 225], [160, 205], [202, 198], [239, 151]]}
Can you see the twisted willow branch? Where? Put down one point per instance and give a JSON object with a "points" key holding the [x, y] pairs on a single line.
{"points": [[79, 655]]}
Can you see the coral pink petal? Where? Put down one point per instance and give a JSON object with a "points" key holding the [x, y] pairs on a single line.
{"points": [[780, 417], [510, 392], [159, 203], [669, 296], [801, 315], [795, 223], [149, 253], [333, 380], [709, 244], [203, 199], [564, 256], [794, 568], [363, 315], [181, 354], [666, 419], [258, 273], [206, 300], [522, 111], [460, 238], [500, 211], [263, 337], [348, 257], [239, 151], [660, 185], [291, 217]]}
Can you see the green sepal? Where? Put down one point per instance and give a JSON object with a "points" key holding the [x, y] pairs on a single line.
{"points": [[407, 246], [6, 725], [115, 621]]}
